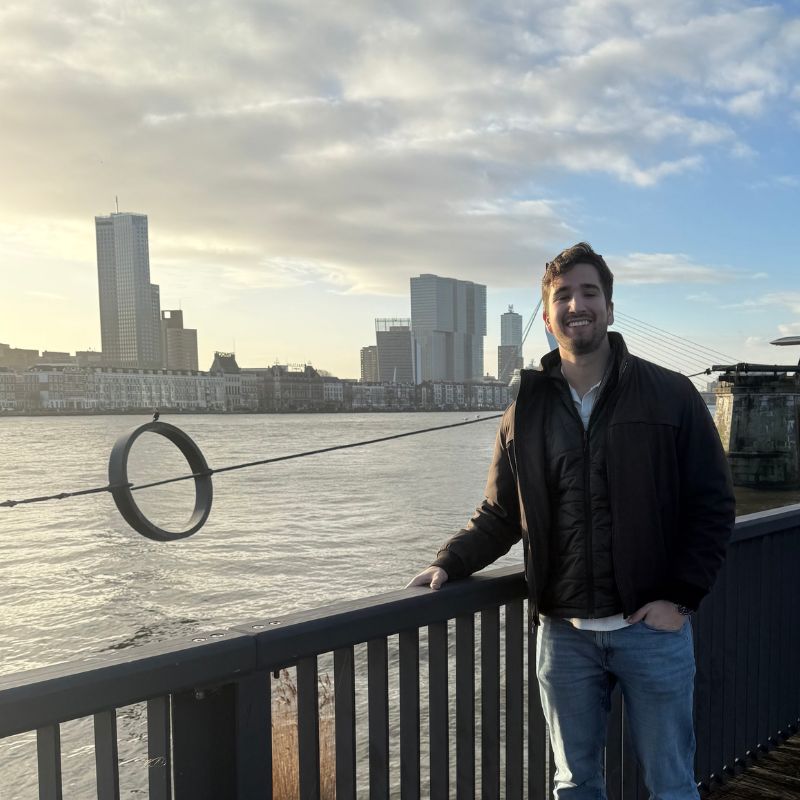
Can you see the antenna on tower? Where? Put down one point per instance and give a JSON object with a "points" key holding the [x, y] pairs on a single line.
{"points": [[116, 200]]}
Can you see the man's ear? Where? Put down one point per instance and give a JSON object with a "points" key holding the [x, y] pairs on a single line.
{"points": [[546, 318], [611, 313]]}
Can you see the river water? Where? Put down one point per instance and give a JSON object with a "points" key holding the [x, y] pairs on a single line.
{"points": [[76, 580]]}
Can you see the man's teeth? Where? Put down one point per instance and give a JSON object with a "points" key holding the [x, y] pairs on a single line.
{"points": [[577, 322]]}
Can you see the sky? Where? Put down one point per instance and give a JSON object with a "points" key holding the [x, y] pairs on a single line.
{"points": [[299, 161]]}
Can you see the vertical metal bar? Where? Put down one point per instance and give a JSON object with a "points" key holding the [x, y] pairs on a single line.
{"points": [[409, 715], [308, 728], [439, 729], [729, 697], [551, 768], [737, 562], [345, 721], [514, 700], [254, 736], [716, 757], [490, 704], [537, 729], [48, 750], [378, 701], [105, 755], [630, 767], [795, 629], [777, 617], [764, 627], [614, 747], [159, 762], [703, 633], [791, 632], [465, 707], [787, 605], [752, 588]]}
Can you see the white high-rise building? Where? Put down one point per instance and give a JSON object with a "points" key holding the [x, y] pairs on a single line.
{"points": [[448, 318], [511, 327], [130, 313]]}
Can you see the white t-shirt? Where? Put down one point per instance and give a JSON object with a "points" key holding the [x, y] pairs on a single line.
{"points": [[584, 406]]}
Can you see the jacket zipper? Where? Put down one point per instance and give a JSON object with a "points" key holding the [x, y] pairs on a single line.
{"points": [[587, 489], [623, 367], [587, 515]]}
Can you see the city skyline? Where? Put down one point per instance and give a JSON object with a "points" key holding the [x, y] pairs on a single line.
{"points": [[290, 201]]}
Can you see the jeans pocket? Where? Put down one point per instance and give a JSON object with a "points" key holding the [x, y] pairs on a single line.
{"points": [[659, 630]]}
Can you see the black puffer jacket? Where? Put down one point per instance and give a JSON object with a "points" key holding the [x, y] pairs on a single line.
{"points": [[651, 522]]}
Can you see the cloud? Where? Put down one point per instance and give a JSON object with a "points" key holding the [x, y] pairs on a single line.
{"points": [[759, 276], [790, 328], [701, 297], [772, 301], [655, 268], [281, 143]]}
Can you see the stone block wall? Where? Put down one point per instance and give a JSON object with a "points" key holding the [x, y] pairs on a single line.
{"points": [[758, 419]]}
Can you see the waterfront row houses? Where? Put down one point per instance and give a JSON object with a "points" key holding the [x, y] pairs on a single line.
{"points": [[280, 388]]}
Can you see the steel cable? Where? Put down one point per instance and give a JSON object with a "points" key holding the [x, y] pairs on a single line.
{"points": [[245, 465]]}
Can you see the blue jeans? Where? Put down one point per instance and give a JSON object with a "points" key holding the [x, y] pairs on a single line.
{"points": [[577, 670]]}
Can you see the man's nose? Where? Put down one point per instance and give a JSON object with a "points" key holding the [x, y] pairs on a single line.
{"points": [[575, 303]]}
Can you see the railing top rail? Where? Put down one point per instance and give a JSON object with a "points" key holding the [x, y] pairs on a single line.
{"points": [[285, 640], [40, 697], [763, 523]]}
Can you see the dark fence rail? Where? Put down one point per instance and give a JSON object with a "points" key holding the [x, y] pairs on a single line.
{"points": [[467, 723]]}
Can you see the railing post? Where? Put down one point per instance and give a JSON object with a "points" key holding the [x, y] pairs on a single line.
{"points": [[221, 741]]}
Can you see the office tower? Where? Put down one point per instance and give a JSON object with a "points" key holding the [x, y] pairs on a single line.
{"points": [[448, 318], [397, 351], [369, 364], [509, 353], [178, 344], [129, 304]]}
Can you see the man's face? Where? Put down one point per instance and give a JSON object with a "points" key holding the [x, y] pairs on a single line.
{"points": [[577, 313]]}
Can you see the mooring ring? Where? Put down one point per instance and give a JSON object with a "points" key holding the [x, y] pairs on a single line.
{"points": [[121, 490]]}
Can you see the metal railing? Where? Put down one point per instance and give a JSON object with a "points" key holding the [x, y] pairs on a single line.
{"points": [[476, 728]]}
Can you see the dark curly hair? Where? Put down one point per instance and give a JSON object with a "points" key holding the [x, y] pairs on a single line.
{"points": [[580, 253]]}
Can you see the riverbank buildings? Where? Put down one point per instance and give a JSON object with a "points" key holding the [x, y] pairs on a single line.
{"points": [[130, 318], [448, 319]]}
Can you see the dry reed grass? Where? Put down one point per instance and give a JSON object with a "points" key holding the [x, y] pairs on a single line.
{"points": [[285, 768]]}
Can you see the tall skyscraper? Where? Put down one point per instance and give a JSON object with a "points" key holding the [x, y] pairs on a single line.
{"points": [[509, 353], [397, 351], [130, 313], [448, 318], [369, 364], [178, 344]]}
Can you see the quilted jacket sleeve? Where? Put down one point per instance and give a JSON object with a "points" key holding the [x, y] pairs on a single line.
{"points": [[495, 526]]}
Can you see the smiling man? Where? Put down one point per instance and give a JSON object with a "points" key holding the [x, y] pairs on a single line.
{"points": [[611, 471]]}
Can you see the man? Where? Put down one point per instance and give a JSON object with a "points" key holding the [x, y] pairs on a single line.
{"points": [[611, 471]]}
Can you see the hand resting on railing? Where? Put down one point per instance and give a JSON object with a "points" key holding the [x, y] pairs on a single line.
{"points": [[434, 577]]}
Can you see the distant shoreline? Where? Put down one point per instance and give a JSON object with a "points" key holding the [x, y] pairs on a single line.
{"points": [[148, 412]]}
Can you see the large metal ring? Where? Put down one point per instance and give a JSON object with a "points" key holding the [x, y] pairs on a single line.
{"points": [[123, 497]]}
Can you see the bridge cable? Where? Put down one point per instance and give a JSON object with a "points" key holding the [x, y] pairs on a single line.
{"points": [[245, 465]]}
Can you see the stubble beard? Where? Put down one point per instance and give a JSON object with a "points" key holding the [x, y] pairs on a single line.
{"points": [[583, 347]]}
